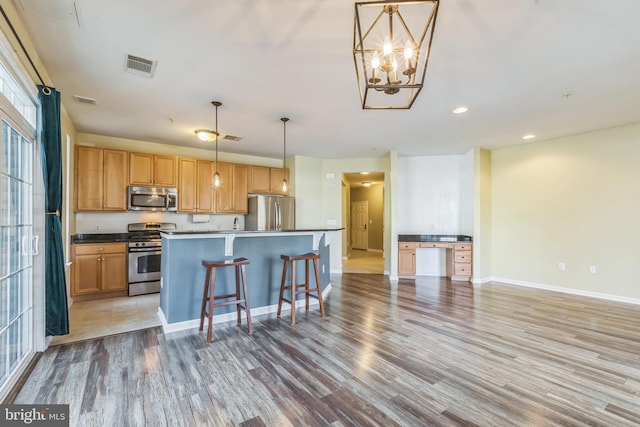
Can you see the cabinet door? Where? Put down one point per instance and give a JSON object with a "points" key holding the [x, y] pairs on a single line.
{"points": [[115, 180], [277, 175], [206, 195], [224, 194], [88, 179], [86, 274], [141, 169], [259, 179], [240, 195], [113, 276], [407, 262], [187, 185], [165, 171]]}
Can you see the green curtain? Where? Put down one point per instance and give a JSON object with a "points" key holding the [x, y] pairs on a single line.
{"points": [[57, 316]]}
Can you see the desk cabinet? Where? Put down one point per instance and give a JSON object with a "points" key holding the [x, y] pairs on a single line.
{"points": [[459, 256]]}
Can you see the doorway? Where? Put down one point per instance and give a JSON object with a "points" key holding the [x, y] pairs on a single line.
{"points": [[363, 216]]}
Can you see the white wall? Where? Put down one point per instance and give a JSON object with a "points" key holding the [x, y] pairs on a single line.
{"points": [[435, 195]]}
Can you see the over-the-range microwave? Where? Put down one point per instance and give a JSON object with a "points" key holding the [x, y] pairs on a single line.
{"points": [[158, 199]]}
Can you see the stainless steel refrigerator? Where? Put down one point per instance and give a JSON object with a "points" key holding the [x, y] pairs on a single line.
{"points": [[270, 213]]}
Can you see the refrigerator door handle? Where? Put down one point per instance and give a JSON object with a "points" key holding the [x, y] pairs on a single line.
{"points": [[278, 223]]}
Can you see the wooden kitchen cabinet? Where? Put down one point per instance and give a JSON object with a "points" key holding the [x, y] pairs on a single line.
{"points": [[195, 186], [266, 180], [99, 270], [407, 258], [100, 179], [231, 197], [153, 169]]}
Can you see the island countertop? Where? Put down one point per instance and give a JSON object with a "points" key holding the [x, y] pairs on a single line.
{"points": [[297, 230]]}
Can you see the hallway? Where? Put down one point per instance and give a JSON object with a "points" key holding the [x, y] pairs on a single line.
{"points": [[364, 262]]}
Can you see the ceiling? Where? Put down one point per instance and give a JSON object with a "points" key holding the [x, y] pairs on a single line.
{"points": [[547, 67]]}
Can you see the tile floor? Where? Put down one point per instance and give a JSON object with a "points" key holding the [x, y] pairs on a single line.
{"points": [[99, 318], [361, 261]]}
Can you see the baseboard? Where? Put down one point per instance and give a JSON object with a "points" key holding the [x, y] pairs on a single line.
{"points": [[168, 328], [375, 250], [599, 295]]}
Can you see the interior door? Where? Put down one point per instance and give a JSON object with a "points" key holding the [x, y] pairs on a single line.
{"points": [[359, 220]]}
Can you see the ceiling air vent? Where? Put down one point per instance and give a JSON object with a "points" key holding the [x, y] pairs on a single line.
{"points": [[85, 100], [140, 66]]}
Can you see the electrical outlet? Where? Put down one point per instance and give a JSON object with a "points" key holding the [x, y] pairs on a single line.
{"points": [[96, 227], [561, 266], [322, 268], [592, 269]]}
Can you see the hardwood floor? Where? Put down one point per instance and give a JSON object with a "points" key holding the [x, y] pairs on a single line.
{"points": [[419, 353]]}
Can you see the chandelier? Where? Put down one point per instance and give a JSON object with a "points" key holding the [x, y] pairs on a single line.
{"points": [[391, 46]]}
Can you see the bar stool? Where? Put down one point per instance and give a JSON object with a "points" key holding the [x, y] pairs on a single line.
{"points": [[295, 288], [208, 295]]}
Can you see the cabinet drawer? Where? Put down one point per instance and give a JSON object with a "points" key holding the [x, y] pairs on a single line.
{"points": [[105, 248], [462, 256], [435, 245], [462, 269], [406, 245], [462, 246]]}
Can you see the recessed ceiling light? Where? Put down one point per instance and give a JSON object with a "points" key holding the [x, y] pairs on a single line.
{"points": [[364, 173], [366, 183], [528, 136], [460, 110]]}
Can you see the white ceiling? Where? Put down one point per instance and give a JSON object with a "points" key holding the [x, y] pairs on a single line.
{"points": [[549, 67]]}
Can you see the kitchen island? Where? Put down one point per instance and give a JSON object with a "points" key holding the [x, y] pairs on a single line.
{"points": [[182, 281]]}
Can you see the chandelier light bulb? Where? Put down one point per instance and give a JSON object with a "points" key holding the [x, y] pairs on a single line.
{"points": [[386, 47], [284, 186], [408, 50], [375, 61], [216, 179]]}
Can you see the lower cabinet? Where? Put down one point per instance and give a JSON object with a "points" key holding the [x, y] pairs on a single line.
{"points": [[99, 269], [407, 258], [459, 264]]}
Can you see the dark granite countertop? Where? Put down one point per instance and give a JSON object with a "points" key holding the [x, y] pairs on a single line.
{"points": [[434, 238], [99, 238], [298, 230]]}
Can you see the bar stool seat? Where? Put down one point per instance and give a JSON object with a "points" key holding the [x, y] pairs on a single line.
{"points": [[300, 288], [209, 297]]}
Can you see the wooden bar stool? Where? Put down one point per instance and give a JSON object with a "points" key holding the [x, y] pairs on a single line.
{"points": [[209, 296], [300, 288]]}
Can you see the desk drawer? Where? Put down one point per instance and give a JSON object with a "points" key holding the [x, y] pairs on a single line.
{"points": [[406, 245], [462, 257], [462, 246], [462, 269], [435, 245]]}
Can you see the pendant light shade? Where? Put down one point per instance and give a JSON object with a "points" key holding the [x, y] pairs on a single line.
{"points": [[216, 175], [285, 185]]}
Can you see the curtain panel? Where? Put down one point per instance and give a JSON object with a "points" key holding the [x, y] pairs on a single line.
{"points": [[57, 316]]}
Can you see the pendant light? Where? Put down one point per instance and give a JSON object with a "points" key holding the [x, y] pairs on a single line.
{"points": [[284, 155], [216, 175]]}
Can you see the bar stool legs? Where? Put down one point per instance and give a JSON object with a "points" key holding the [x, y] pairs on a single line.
{"points": [[209, 297], [300, 288]]}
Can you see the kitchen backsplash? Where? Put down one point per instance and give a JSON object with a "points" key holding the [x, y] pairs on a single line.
{"points": [[98, 222]]}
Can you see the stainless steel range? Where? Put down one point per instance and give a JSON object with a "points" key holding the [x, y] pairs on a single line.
{"points": [[145, 249]]}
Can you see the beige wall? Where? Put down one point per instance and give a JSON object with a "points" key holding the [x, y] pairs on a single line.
{"points": [[375, 196], [574, 200], [481, 215]]}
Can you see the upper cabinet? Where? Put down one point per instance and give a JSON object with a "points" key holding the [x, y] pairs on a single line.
{"points": [[153, 169], [195, 186], [265, 180], [100, 179], [231, 197]]}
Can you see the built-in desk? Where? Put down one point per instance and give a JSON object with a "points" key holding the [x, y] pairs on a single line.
{"points": [[458, 251]]}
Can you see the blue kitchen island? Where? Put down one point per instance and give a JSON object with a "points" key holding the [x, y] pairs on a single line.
{"points": [[182, 280]]}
